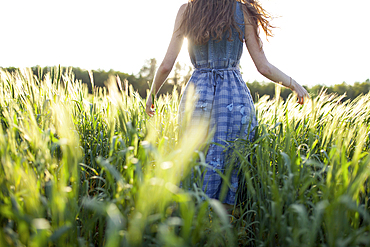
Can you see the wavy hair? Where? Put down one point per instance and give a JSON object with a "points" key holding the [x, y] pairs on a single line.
{"points": [[210, 19]]}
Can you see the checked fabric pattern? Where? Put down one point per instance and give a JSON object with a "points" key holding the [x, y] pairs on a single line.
{"points": [[225, 100]]}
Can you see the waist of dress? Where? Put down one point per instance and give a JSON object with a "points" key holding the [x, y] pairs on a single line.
{"points": [[215, 63], [216, 74], [216, 69]]}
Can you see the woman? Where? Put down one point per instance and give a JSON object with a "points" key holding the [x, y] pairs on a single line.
{"points": [[216, 30]]}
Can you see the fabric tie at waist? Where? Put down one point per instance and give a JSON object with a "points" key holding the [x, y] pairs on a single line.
{"points": [[216, 73]]}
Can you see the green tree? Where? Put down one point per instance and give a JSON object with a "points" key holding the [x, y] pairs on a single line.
{"points": [[148, 69]]}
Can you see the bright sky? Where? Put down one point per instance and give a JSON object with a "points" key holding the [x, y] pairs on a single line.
{"points": [[316, 42]]}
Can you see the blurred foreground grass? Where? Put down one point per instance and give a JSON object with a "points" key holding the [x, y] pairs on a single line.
{"points": [[94, 170]]}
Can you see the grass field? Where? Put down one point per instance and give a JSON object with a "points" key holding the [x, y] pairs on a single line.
{"points": [[81, 169]]}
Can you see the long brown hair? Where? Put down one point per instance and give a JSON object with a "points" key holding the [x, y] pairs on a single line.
{"points": [[210, 19]]}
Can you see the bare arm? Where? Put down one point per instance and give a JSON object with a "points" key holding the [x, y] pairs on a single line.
{"points": [[265, 68], [168, 61]]}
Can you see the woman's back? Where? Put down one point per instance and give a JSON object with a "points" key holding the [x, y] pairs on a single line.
{"points": [[224, 53]]}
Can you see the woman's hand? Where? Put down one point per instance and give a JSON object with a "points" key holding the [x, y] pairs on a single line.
{"points": [[149, 109], [300, 91]]}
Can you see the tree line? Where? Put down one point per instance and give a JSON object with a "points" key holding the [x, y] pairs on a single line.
{"points": [[181, 74]]}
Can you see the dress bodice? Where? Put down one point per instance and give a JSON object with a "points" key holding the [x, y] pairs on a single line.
{"points": [[220, 54]]}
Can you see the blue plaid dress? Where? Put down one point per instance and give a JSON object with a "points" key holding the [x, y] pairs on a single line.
{"points": [[223, 99]]}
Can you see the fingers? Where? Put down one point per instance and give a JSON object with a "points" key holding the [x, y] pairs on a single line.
{"points": [[301, 97], [150, 110], [151, 113], [301, 94]]}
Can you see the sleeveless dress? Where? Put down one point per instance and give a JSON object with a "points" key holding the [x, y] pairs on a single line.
{"points": [[223, 99]]}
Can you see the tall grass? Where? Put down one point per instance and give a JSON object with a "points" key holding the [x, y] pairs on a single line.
{"points": [[308, 173], [94, 170]]}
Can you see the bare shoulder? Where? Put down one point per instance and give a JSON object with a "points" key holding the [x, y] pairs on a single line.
{"points": [[181, 11], [247, 20], [183, 7], [179, 18]]}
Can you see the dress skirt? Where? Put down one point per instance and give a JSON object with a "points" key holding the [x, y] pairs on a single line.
{"points": [[225, 101]]}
